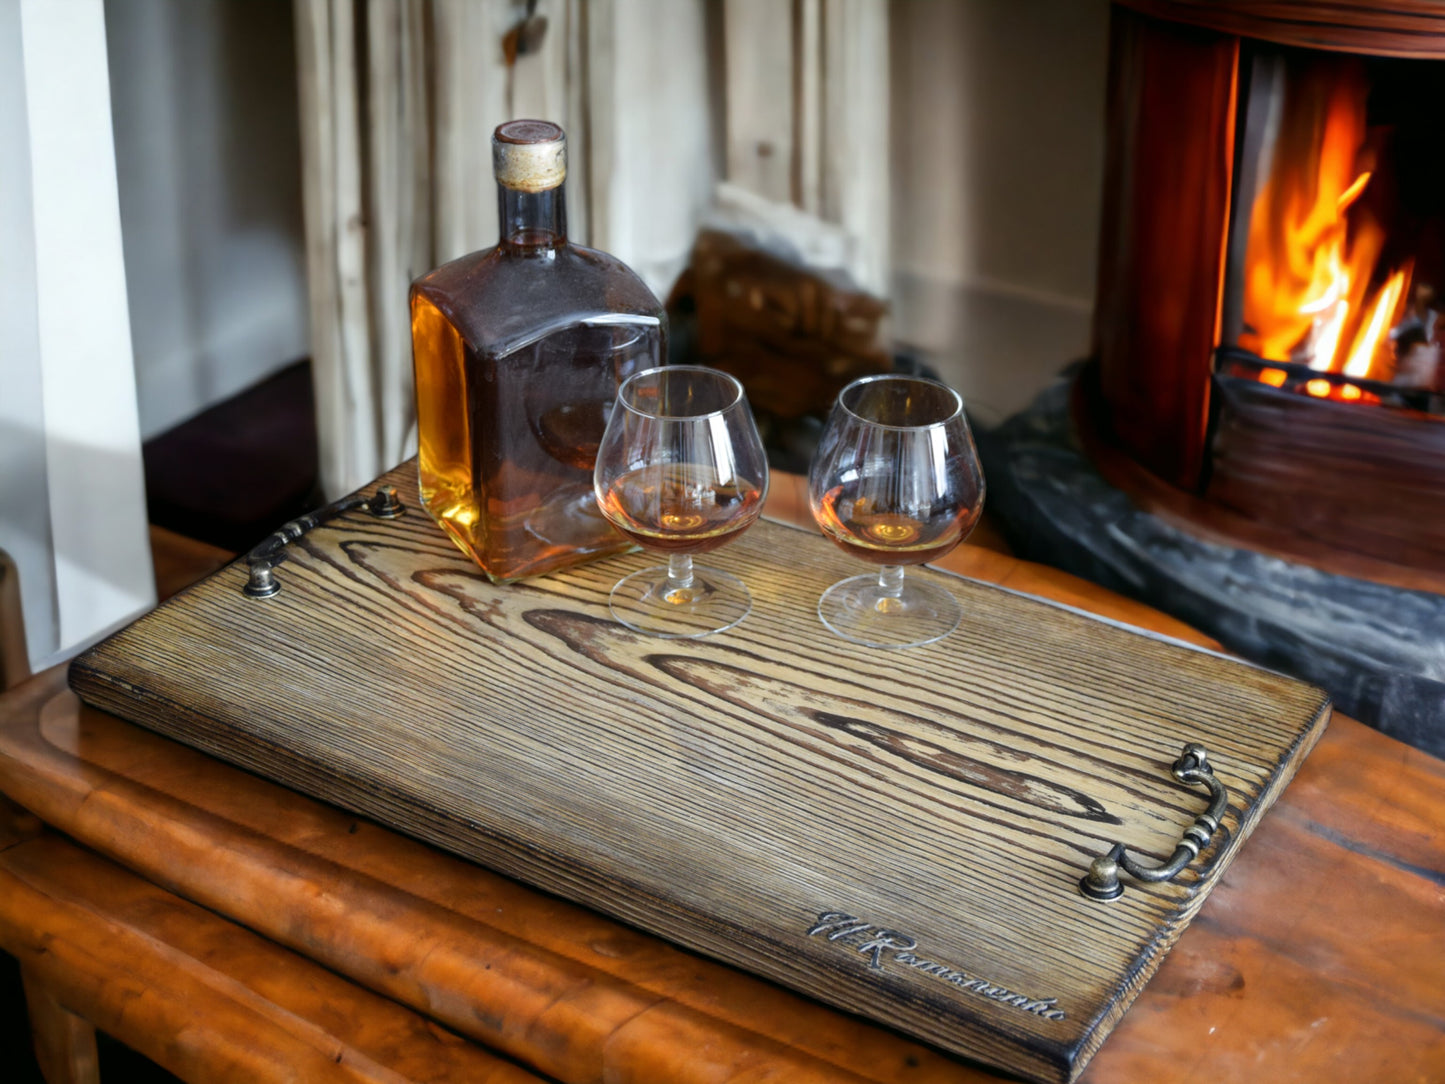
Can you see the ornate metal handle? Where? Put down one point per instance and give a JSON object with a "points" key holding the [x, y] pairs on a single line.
{"points": [[263, 559], [1192, 768]]}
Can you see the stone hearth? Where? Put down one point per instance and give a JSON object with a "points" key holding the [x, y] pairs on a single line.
{"points": [[1378, 650]]}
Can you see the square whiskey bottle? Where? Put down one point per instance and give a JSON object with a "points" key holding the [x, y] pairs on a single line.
{"points": [[519, 351]]}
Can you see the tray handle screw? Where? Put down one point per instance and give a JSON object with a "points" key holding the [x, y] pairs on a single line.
{"points": [[263, 559]]}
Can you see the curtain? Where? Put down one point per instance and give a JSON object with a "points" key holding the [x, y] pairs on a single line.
{"points": [[807, 96], [399, 99]]}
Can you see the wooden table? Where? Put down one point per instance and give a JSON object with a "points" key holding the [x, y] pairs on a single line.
{"points": [[232, 930]]}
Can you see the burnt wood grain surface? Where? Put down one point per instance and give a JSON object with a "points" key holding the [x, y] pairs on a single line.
{"points": [[728, 792]]}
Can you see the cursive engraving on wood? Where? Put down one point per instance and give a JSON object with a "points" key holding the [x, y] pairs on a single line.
{"points": [[880, 944]]}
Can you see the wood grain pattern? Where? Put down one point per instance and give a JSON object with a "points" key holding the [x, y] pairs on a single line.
{"points": [[1324, 945], [194, 993], [1402, 28], [16, 823], [1317, 957], [725, 792], [1162, 249], [1358, 479], [1282, 977], [64, 1043], [574, 995]]}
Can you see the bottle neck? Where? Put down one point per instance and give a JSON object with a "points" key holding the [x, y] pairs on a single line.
{"points": [[533, 220]]}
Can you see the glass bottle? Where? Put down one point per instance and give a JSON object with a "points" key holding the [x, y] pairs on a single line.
{"points": [[519, 351]]}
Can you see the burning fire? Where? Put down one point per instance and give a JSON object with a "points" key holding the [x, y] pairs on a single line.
{"points": [[1310, 263]]}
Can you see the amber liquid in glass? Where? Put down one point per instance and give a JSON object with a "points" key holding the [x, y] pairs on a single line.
{"points": [[682, 508], [889, 538], [519, 351]]}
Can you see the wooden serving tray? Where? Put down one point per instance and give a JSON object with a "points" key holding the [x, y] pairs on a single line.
{"points": [[897, 833]]}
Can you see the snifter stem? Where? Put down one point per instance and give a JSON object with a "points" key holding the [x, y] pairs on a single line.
{"points": [[679, 572], [890, 580]]}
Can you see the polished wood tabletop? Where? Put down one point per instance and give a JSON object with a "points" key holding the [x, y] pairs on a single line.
{"points": [[233, 930]]}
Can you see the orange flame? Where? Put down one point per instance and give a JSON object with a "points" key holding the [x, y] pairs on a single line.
{"points": [[1373, 332], [1309, 263]]}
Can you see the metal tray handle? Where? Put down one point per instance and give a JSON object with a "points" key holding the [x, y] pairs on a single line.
{"points": [[1192, 768], [263, 559]]}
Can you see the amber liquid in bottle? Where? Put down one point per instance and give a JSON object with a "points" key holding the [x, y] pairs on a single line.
{"points": [[519, 351]]}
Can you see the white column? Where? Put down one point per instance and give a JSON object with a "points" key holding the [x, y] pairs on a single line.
{"points": [[72, 496]]}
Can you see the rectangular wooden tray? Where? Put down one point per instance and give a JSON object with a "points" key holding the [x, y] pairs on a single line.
{"points": [[897, 833]]}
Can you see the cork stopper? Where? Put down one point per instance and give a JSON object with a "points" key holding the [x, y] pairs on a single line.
{"points": [[529, 155]]}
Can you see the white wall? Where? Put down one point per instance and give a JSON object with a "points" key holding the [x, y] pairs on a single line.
{"points": [[998, 130], [72, 503], [208, 156]]}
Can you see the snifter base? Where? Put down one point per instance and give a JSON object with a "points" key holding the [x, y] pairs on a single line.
{"points": [[647, 602], [863, 611]]}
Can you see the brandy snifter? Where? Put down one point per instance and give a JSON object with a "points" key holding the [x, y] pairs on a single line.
{"points": [[681, 471], [895, 482]]}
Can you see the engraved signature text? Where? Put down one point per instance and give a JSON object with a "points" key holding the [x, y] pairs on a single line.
{"points": [[882, 946]]}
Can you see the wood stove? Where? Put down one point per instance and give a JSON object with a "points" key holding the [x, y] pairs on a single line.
{"points": [[1268, 348], [1257, 444]]}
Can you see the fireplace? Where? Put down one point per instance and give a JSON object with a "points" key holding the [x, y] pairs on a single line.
{"points": [[1274, 248], [1335, 239], [1267, 390]]}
